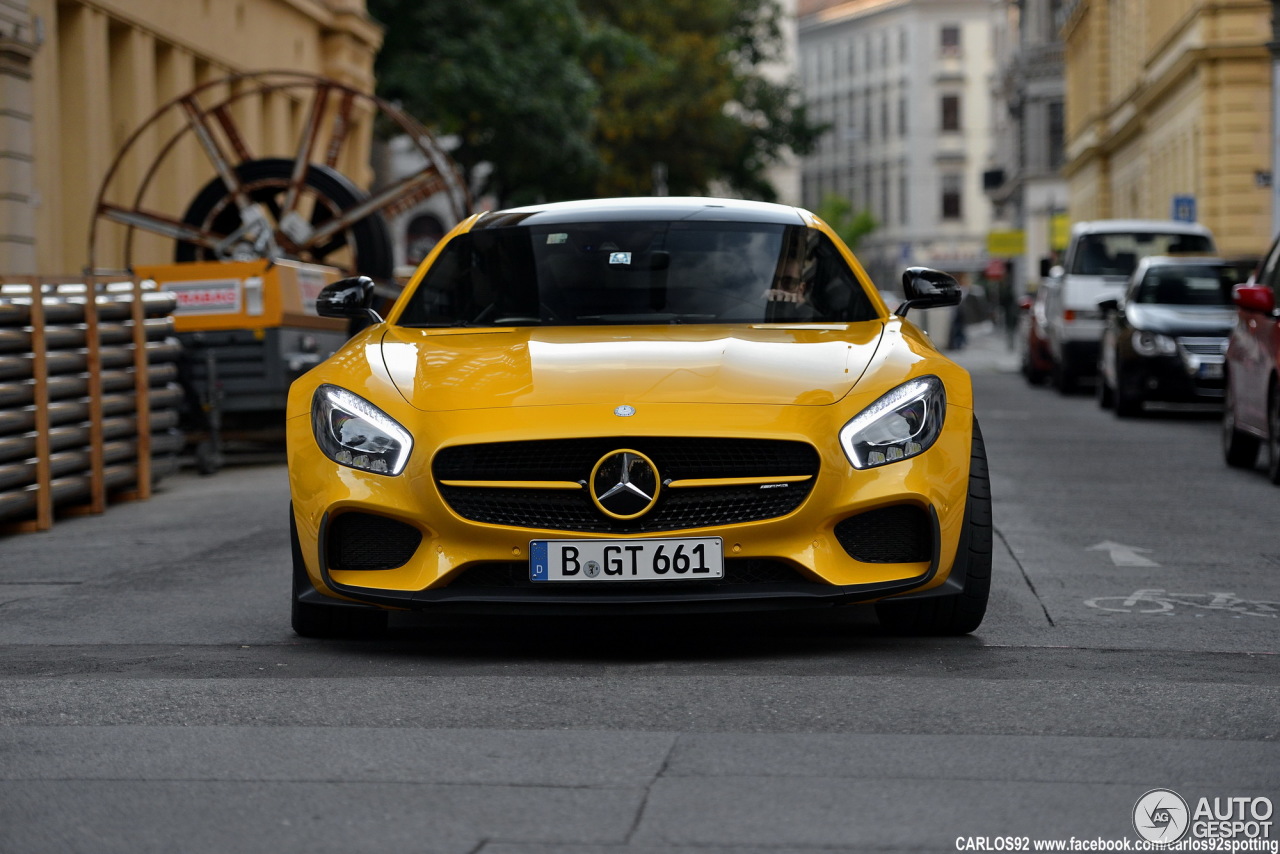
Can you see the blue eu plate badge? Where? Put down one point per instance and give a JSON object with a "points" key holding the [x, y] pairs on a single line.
{"points": [[538, 560]]}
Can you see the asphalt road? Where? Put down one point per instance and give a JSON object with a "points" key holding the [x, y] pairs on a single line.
{"points": [[154, 699]]}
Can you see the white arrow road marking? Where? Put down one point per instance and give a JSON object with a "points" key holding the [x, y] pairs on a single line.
{"points": [[1122, 555]]}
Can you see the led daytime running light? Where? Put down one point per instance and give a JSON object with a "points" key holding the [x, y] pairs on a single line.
{"points": [[902, 424], [353, 432]]}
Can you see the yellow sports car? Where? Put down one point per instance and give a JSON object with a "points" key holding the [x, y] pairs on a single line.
{"points": [[638, 406]]}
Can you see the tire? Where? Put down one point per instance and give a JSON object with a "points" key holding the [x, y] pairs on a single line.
{"points": [[1273, 434], [1128, 405], [327, 621], [959, 613], [1239, 449], [1106, 394], [368, 238], [1064, 378]]}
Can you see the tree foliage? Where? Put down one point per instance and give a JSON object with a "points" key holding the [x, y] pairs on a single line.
{"points": [[494, 73], [838, 213], [567, 98]]}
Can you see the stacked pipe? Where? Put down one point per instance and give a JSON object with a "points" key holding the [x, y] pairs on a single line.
{"points": [[89, 399]]}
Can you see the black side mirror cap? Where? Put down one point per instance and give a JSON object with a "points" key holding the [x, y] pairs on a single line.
{"points": [[1106, 306], [350, 298], [927, 288]]}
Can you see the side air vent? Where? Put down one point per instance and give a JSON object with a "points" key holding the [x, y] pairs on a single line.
{"points": [[364, 541], [899, 534]]}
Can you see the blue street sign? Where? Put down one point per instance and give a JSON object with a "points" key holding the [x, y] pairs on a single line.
{"points": [[1183, 209]]}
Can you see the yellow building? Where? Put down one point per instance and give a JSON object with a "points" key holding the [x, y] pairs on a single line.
{"points": [[77, 77], [1169, 104]]}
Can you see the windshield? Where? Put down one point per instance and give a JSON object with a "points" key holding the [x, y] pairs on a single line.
{"points": [[1118, 254], [638, 273], [1199, 284]]}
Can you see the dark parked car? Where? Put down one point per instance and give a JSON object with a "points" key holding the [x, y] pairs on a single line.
{"points": [[1252, 411], [1166, 337]]}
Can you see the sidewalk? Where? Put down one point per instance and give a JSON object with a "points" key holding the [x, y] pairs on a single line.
{"points": [[987, 351]]}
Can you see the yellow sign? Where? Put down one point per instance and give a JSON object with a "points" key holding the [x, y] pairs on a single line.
{"points": [[1059, 232], [1006, 244]]}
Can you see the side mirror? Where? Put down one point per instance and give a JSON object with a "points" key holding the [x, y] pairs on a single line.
{"points": [[350, 298], [926, 288], [1109, 305], [1254, 298]]}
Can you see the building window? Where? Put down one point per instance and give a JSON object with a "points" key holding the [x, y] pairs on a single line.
{"points": [[902, 116], [904, 210], [902, 45], [950, 40], [1057, 134], [952, 197], [950, 109]]}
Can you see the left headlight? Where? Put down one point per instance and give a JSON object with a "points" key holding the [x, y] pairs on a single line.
{"points": [[1154, 344], [902, 424], [352, 431]]}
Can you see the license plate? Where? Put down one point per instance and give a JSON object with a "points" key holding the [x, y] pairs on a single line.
{"points": [[686, 559], [1210, 371]]}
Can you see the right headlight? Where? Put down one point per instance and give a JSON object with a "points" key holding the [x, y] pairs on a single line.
{"points": [[353, 432], [900, 425]]}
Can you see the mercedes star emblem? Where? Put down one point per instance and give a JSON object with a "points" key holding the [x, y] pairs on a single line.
{"points": [[624, 484]]}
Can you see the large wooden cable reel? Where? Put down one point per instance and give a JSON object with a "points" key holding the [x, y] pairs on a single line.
{"points": [[292, 204]]}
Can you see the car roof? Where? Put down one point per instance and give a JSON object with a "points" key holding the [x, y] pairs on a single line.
{"points": [[1185, 260], [1166, 226], [656, 208]]}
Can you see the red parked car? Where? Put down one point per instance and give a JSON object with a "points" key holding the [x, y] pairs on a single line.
{"points": [[1251, 414]]}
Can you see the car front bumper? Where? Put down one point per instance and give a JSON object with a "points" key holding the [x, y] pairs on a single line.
{"points": [[799, 559]]}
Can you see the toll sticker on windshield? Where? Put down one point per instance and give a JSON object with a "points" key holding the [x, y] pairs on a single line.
{"points": [[557, 238], [619, 257]]}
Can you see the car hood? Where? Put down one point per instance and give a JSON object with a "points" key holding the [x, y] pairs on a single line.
{"points": [[455, 369], [1182, 319]]}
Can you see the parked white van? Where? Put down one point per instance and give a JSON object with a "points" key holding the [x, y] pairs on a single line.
{"points": [[1101, 256]]}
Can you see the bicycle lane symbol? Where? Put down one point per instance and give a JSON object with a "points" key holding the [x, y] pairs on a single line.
{"points": [[1158, 601]]}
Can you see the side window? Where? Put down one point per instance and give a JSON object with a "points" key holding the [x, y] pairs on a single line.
{"points": [[837, 294]]}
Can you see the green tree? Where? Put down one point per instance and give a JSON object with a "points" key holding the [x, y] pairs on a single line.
{"points": [[571, 98], [838, 213], [690, 96], [502, 76]]}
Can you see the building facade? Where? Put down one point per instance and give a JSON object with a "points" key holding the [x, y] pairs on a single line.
{"points": [[1168, 114], [82, 75], [905, 88], [1024, 179]]}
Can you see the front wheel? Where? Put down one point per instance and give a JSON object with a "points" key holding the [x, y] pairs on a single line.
{"points": [[1240, 449], [1127, 404], [1273, 435], [958, 613], [312, 620]]}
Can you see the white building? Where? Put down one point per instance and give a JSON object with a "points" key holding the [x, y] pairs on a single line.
{"points": [[906, 88]]}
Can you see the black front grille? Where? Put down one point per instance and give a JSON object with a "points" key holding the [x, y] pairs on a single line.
{"points": [[899, 534], [364, 541], [510, 575], [676, 458]]}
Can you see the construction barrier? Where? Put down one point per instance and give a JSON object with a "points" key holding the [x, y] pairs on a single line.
{"points": [[89, 399]]}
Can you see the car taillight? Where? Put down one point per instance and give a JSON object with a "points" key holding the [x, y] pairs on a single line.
{"points": [[1068, 316]]}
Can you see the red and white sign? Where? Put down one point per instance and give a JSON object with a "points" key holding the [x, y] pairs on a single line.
{"points": [[210, 296]]}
